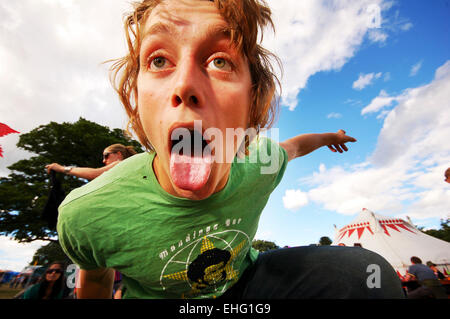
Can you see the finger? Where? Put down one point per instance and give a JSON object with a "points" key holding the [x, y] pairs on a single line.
{"points": [[341, 131], [331, 148], [344, 147], [337, 147]]}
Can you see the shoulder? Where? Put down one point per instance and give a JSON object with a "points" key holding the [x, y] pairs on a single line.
{"points": [[32, 292], [413, 267], [271, 157], [96, 199], [123, 171], [264, 164]]}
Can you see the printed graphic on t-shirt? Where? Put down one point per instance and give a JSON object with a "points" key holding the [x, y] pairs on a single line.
{"points": [[205, 265]]}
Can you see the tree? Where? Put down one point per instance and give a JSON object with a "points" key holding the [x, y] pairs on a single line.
{"points": [[24, 193], [49, 253], [443, 233], [325, 241], [263, 245]]}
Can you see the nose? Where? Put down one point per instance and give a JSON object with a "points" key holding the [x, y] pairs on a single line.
{"points": [[187, 89]]}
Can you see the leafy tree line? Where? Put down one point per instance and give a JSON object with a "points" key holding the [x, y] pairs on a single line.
{"points": [[443, 233], [24, 193]]}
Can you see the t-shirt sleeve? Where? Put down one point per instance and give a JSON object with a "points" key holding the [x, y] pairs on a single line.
{"points": [[74, 240], [272, 159]]}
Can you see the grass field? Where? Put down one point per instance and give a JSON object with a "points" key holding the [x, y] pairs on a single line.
{"points": [[8, 293]]}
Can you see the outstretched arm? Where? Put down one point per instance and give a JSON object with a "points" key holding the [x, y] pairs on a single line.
{"points": [[81, 172], [306, 143]]}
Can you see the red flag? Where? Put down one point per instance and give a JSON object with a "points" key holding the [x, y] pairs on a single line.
{"points": [[350, 232], [5, 130], [393, 227], [360, 231], [405, 227]]}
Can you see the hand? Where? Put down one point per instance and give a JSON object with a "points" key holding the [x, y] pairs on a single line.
{"points": [[339, 144], [54, 167]]}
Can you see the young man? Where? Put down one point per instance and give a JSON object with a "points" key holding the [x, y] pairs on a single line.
{"points": [[179, 222]]}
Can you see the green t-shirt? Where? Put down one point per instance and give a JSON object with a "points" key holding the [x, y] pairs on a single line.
{"points": [[166, 246]]}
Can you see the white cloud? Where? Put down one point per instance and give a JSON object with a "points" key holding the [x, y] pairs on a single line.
{"points": [[376, 35], [15, 256], [52, 54], [406, 26], [404, 175], [415, 68], [314, 36], [382, 101], [294, 199], [365, 80], [334, 115]]}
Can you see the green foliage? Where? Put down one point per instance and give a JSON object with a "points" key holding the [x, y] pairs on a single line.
{"points": [[49, 253], [325, 241], [443, 233], [263, 245], [24, 193]]}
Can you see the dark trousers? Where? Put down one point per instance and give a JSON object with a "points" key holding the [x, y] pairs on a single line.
{"points": [[428, 289], [318, 272]]}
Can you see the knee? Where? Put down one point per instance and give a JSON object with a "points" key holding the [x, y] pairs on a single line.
{"points": [[370, 271]]}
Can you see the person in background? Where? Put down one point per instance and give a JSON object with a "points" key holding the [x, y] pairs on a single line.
{"points": [[112, 155], [436, 271], [51, 286], [430, 287]]}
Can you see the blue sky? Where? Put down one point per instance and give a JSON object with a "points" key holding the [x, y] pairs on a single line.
{"points": [[387, 86], [329, 93]]}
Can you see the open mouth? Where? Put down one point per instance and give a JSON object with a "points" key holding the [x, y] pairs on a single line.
{"points": [[190, 158], [190, 143]]}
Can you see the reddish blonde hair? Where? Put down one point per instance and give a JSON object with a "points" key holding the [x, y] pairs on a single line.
{"points": [[246, 18]]}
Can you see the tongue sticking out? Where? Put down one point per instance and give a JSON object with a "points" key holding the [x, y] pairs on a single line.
{"points": [[190, 172]]}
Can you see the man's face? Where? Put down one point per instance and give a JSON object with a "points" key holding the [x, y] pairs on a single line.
{"points": [[190, 72]]}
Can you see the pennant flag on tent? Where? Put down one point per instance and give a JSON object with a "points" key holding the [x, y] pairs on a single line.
{"points": [[394, 239]]}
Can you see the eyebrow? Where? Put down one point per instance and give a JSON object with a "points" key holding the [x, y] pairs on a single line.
{"points": [[211, 32]]}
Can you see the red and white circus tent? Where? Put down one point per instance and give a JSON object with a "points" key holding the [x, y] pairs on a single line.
{"points": [[394, 239]]}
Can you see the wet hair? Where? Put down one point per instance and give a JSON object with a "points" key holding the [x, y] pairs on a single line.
{"points": [[246, 20], [126, 151], [416, 260]]}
